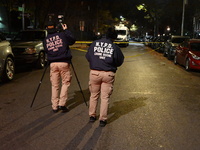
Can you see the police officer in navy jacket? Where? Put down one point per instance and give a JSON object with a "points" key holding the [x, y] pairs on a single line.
{"points": [[56, 45], [104, 57]]}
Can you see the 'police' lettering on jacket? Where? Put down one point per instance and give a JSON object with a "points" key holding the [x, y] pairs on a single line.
{"points": [[103, 49], [54, 43]]}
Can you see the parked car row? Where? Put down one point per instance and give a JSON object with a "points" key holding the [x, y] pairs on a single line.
{"points": [[171, 44], [25, 48], [157, 43], [183, 50]]}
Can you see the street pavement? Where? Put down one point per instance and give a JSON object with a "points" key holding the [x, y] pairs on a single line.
{"points": [[155, 105]]}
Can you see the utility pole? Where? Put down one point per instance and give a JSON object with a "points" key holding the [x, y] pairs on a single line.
{"points": [[23, 7], [22, 14], [194, 26], [183, 17]]}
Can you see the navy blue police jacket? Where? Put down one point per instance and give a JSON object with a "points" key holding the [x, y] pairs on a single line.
{"points": [[104, 55], [56, 45]]}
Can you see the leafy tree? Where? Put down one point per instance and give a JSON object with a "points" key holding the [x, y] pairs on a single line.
{"points": [[98, 15]]}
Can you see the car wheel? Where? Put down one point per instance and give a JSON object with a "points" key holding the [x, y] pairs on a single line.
{"points": [[169, 56], [175, 60], [41, 60], [187, 64], [9, 70], [164, 52]]}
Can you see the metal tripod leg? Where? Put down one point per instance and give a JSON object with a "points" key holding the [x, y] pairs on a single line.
{"points": [[39, 85], [79, 84]]}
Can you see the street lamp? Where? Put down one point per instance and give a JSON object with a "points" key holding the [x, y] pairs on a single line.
{"points": [[168, 28], [167, 31]]}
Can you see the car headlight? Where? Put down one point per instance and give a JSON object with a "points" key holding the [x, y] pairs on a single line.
{"points": [[30, 51], [195, 57]]}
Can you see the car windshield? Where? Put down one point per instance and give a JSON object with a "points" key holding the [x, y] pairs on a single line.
{"points": [[30, 36], [195, 46], [178, 40]]}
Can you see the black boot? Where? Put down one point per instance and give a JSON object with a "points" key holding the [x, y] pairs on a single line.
{"points": [[63, 108]]}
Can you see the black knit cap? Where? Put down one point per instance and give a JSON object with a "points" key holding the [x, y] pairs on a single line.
{"points": [[111, 33]]}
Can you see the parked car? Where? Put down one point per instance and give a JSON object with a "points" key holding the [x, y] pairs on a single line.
{"points": [[151, 42], [28, 47], [171, 44], [7, 65], [188, 54], [159, 44]]}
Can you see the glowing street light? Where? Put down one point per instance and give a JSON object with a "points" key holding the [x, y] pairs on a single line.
{"points": [[168, 28]]}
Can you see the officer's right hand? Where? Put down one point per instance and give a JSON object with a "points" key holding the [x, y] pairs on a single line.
{"points": [[64, 26]]}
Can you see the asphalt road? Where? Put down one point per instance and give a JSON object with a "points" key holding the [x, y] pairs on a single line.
{"points": [[155, 105]]}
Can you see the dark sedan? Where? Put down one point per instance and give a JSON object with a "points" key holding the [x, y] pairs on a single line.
{"points": [[28, 47], [188, 54]]}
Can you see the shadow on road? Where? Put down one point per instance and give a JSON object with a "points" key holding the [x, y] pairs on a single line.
{"points": [[92, 141], [71, 103], [78, 99], [123, 107], [19, 137]]}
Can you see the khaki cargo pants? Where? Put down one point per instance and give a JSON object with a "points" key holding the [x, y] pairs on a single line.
{"points": [[100, 85], [60, 72]]}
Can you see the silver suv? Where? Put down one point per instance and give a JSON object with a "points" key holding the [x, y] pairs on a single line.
{"points": [[7, 65], [171, 44]]}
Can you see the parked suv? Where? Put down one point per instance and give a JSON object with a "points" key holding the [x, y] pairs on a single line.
{"points": [[7, 66], [171, 44], [28, 47]]}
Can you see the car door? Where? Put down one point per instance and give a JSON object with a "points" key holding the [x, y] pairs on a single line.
{"points": [[179, 51], [184, 53]]}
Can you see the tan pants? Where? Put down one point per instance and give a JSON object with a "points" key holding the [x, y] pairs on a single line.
{"points": [[59, 71], [100, 84]]}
